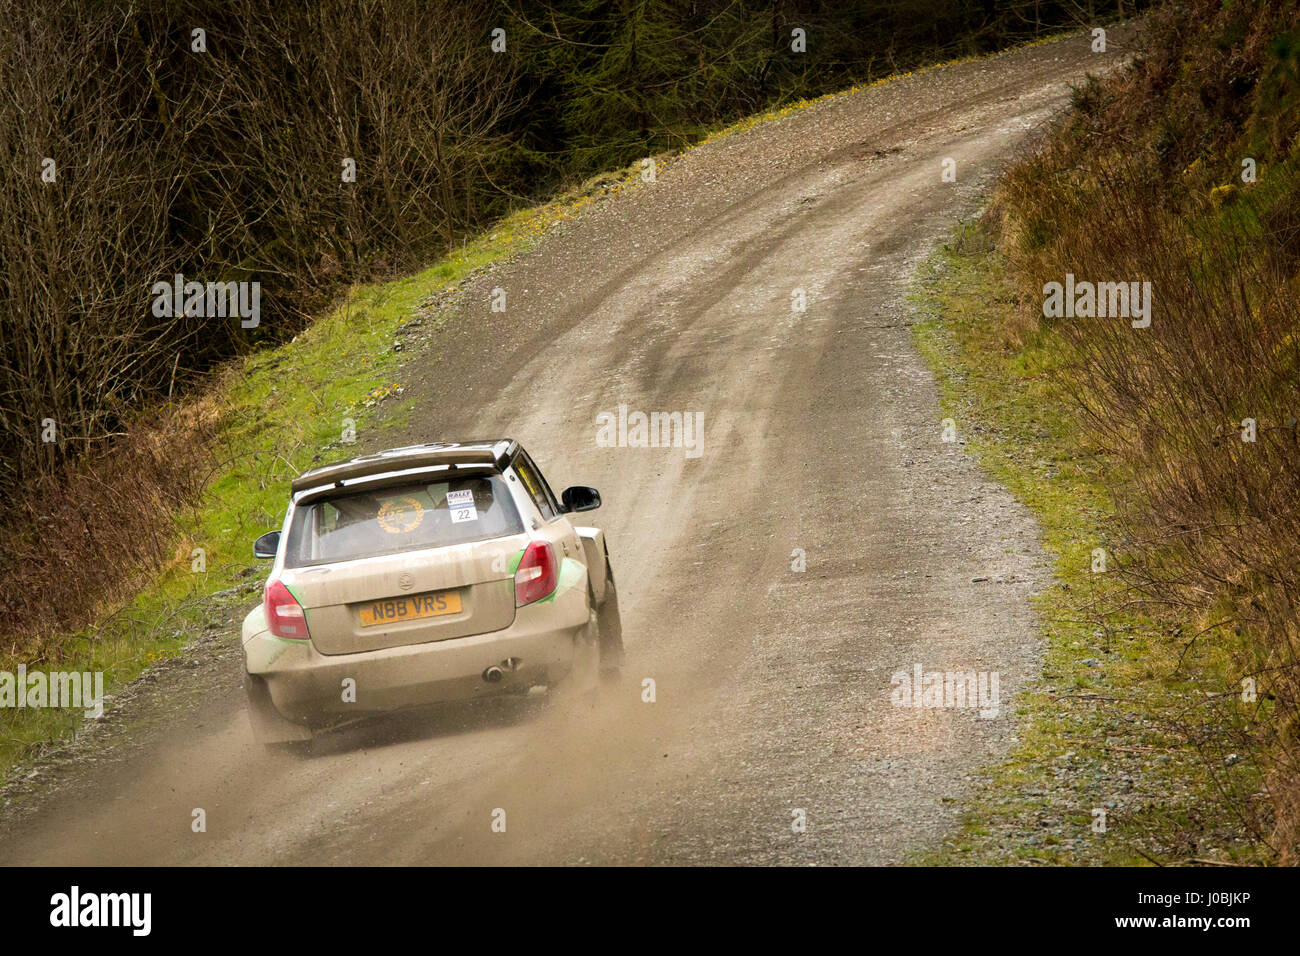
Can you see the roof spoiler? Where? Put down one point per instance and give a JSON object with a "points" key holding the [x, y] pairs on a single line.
{"points": [[498, 455]]}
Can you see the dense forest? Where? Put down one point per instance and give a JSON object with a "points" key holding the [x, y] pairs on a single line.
{"points": [[305, 145]]}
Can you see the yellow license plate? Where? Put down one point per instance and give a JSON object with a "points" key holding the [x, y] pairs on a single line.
{"points": [[396, 610]]}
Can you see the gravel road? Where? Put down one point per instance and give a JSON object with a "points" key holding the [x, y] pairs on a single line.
{"points": [[822, 438]]}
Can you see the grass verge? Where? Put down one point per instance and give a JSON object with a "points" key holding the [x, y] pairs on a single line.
{"points": [[1100, 738]]}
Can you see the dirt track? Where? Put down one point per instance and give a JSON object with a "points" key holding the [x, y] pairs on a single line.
{"points": [[821, 433]]}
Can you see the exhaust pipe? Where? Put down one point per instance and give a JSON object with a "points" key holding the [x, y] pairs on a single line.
{"points": [[493, 674]]}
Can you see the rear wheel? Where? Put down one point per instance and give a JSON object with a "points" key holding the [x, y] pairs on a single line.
{"points": [[582, 683], [598, 649], [610, 631], [271, 728]]}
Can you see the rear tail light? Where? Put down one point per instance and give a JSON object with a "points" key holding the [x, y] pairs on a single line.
{"points": [[284, 615], [538, 574]]}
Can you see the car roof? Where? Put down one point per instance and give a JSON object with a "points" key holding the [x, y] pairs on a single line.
{"points": [[495, 453]]}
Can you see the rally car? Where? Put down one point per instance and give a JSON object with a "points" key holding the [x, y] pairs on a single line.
{"points": [[425, 574]]}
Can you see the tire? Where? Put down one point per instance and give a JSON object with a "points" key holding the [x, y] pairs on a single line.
{"points": [[582, 683], [270, 728], [609, 627], [598, 650]]}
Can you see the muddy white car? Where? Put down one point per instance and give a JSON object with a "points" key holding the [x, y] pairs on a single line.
{"points": [[421, 575]]}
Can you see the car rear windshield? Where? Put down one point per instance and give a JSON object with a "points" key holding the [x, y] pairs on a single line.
{"points": [[364, 524]]}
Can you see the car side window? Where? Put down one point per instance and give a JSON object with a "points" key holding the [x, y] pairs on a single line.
{"points": [[535, 485], [546, 487]]}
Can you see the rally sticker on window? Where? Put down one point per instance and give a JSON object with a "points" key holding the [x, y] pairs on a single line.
{"points": [[400, 515], [461, 504]]}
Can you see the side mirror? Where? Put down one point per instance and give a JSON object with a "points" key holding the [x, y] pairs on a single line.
{"points": [[580, 498], [267, 545]]}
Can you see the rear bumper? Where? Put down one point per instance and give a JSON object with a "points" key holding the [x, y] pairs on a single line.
{"points": [[307, 687]]}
